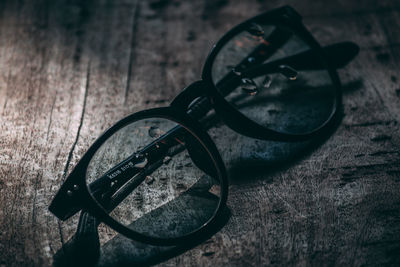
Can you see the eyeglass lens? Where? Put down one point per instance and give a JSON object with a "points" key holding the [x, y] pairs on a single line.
{"points": [[144, 176], [293, 94]]}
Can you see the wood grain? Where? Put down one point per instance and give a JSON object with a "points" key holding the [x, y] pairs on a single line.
{"points": [[70, 69]]}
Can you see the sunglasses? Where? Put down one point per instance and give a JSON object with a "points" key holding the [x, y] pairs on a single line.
{"points": [[157, 177]]}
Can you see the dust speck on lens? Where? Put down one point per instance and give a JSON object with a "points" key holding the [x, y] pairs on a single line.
{"points": [[154, 132], [251, 59], [249, 86], [167, 160], [256, 30], [180, 186], [236, 71], [149, 179], [138, 198], [288, 72], [266, 83]]}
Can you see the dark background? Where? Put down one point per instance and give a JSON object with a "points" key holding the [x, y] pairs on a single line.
{"points": [[69, 69]]}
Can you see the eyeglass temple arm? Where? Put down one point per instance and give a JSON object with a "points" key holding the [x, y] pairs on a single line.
{"points": [[83, 249], [338, 56]]}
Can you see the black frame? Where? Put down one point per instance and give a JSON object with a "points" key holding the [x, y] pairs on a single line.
{"points": [[204, 91]]}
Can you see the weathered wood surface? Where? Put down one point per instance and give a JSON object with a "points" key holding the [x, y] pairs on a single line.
{"points": [[69, 69]]}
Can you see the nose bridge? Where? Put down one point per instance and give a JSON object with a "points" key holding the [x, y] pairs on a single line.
{"points": [[190, 93]]}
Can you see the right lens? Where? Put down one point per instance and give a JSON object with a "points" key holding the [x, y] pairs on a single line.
{"points": [[145, 177], [294, 92]]}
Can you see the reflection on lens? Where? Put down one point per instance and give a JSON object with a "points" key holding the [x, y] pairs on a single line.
{"points": [[292, 95], [153, 176]]}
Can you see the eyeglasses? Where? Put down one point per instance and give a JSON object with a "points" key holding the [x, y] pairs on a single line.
{"points": [[157, 177]]}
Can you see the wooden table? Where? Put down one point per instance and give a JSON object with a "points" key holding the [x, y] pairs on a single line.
{"points": [[69, 69]]}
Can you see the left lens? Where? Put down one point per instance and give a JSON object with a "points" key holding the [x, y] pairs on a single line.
{"points": [[145, 178]]}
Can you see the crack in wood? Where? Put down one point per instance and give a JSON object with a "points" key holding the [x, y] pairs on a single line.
{"points": [[51, 117], [132, 51], [80, 123]]}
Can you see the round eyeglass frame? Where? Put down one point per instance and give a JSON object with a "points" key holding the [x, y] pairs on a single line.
{"points": [[176, 112]]}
